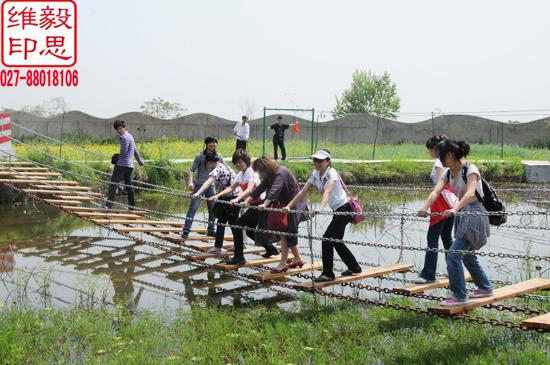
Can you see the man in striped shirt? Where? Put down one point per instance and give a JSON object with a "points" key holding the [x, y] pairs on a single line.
{"points": [[124, 165]]}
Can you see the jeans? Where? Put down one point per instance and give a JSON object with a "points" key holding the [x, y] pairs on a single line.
{"points": [[194, 206], [457, 284], [444, 229], [336, 229], [281, 144], [240, 144], [121, 173]]}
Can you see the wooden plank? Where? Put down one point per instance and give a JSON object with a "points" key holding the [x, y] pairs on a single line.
{"points": [[76, 197], [203, 247], [165, 230], [71, 188], [204, 256], [104, 210], [542, 321], [366, 273], [500, 294], [250, 263], [18, 163], [23, 173], [439, 283], [106, 214], [17, 169], [266, 275], [57, 192], [139, 221], [57, 201], [184, 275], [43, 181]]}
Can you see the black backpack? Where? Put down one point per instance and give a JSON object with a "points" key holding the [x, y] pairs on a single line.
{"points": [[490, 199]]}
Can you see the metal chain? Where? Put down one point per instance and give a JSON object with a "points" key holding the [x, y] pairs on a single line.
{"points": [[250, 278]]}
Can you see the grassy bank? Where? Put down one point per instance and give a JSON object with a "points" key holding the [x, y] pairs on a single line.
{"points": [[161, 149], [398, 170], [334, 334]]}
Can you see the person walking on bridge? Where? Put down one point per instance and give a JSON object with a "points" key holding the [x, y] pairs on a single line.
{"points": [[124, 165]]}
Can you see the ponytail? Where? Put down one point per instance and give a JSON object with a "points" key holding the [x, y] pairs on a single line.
{"points": [[459, 149]]}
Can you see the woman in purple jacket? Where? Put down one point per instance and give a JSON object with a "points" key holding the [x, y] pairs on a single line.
{"points": [[280, 187]]}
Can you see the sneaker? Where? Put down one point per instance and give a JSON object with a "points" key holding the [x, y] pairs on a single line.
{"points": [[481, 293], [453, 302], [215, 250], [230, 249], [349, 272], [185, 235], [235, 261], [323, 278], [421, 280]]}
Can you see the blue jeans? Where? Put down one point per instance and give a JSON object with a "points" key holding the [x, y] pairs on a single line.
{"points": [[194, 206], [441, 229], [457, 284]]}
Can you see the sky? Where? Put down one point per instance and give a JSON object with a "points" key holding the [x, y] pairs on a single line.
{"points": [[229, 57]]}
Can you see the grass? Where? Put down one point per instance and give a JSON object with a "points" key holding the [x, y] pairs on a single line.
{"points": [[161, 149], [398, 170], [333, 334]]}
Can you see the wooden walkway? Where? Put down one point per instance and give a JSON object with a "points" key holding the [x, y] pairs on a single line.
{"points": [[73, 197]]}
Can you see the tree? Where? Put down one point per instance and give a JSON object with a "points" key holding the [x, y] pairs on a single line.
{"points": [[48, 109], [369, 93], [160, 108]]}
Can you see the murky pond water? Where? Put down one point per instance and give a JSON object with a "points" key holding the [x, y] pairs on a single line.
{"points": [[50, 258]]}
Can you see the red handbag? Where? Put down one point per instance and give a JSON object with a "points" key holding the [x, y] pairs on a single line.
{"points": [[277, 221]]}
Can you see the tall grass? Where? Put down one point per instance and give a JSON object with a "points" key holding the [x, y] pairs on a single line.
{"points": [[338, 333]]}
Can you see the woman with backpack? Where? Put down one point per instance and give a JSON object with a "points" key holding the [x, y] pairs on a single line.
{"points": [[440, 226], [327, 180], [472, 230]]}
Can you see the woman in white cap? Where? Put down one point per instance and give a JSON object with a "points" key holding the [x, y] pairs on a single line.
{"points": [[329, 182]]}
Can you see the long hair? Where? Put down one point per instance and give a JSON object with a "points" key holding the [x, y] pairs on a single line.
{"points": [[432, 142], [267, 166], [459, 149]]}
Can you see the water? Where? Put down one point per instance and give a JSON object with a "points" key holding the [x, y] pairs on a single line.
{"points": [[52, 259]]}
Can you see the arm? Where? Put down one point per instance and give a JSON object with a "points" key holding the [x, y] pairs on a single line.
{"points": [[245, 193], [432, 197], [469, 197], [137, 156], [438, 173], [326, 194], [192, 170], [246, 133], [299, 197], [225, 191], [211, 180], [258, 190]]}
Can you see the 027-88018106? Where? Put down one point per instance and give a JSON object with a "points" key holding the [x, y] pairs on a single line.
{"points": [[39, 78]]}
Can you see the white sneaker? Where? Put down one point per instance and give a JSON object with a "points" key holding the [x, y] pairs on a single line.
{"points": [[215, 250], [421, 280]]}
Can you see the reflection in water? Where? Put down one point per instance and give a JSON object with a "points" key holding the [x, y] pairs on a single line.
{"points": [[126, 263], [143, 276]]}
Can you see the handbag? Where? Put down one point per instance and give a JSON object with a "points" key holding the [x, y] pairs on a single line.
{"points": [[277, 221], [354, 203], [114, 158]]}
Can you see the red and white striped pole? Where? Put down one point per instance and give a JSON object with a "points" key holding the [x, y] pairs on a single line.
{"points": [[6, 150]]}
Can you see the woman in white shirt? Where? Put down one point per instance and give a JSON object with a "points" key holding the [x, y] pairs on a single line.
{"points": [[439, 226], [327, 180], [472, 230], [245, 182]]}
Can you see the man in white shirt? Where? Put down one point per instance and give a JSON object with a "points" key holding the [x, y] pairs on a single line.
{"points": [[242, 131]]}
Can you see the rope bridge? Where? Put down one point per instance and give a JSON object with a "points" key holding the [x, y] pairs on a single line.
{"points": [[42, 183]]}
